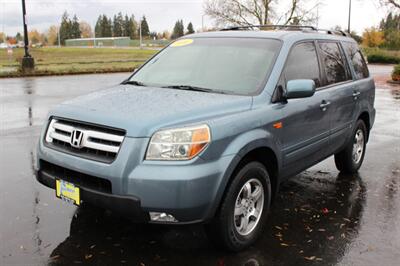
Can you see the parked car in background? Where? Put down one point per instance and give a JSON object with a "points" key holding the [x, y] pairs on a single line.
{"points": [[3, 45], [207, 129]]}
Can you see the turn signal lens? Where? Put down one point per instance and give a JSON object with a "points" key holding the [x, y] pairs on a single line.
{"points": [[178, 144]]}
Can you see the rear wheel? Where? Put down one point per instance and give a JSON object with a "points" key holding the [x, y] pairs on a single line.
{"points": [[244, 208], [351, 158]]}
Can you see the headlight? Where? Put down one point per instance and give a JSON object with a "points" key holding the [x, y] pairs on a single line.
{"points": [[178, 144]]}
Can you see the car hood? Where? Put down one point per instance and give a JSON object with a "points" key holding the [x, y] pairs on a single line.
{"points": [[143, 110]]}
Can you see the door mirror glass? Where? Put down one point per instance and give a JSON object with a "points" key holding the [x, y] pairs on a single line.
{"points": [[300, 88]]}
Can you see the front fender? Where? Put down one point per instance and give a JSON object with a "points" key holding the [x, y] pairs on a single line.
{"points": [[239, 147]]}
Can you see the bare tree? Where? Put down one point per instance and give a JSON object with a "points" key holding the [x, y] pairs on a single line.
{"points": [[250, 12], [392, 3]]}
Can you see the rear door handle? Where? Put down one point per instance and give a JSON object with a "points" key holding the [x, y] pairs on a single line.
{"points": [[356, 94], [324, 105]]}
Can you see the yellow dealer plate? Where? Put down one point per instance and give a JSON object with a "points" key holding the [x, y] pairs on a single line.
{"points": [[181, 43], [68, 192]]}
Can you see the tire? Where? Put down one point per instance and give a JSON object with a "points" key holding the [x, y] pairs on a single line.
{"points": [[229, 230], [350, 159]]}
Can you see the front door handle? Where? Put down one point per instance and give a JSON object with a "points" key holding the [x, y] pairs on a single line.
{"points": [[324, 105]]}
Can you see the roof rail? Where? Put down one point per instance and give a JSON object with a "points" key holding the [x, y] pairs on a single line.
{"points": [[289, 27], [335, 32]]}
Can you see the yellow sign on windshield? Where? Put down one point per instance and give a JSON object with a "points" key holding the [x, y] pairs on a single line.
{"points": [[183, 42]]}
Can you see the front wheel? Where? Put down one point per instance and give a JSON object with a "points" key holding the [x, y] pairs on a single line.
{"points": [[244, 208], [351, 158]]}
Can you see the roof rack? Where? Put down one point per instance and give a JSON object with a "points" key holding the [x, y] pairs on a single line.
{"points": [[289, 27], [335, 32]]}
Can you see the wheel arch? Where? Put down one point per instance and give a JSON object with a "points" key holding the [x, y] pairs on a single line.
{"points": [[365, 117], [260, 151]]}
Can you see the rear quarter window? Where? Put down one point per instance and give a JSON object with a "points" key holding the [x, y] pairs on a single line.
{"points": [[357, 60]]}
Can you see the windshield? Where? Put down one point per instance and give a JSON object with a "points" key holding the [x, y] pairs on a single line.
{"points": [[228, 65]]}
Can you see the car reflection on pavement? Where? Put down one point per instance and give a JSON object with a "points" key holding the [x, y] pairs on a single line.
{"points": [[313, 218]]}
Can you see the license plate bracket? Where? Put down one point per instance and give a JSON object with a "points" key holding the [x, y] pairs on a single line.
{"points": [[68, 192]]}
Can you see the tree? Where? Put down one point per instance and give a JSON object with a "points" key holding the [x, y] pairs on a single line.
{"points": [[127, 27], [103, 27], [65, 28], [262, 12], [391, 29], [75, 29], [190, 29], [52, 35], [98, 29], [134, 26], [178, 30], [145, 27], [34, 37], [118, 30], [2, 37], [108, 28], [86, 30], [373, 37], [19, 37], [391, 3]]}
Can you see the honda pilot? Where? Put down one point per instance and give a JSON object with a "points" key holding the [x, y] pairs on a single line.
{"points": [[207, 129]]}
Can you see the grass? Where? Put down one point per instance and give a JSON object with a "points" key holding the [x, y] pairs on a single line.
{"points": [[62, 61], [383, 56]]}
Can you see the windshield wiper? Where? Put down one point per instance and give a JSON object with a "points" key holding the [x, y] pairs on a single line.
{"points": [[133, 82], [192, 88]]}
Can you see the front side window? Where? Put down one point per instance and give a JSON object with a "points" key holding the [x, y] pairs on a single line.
{"points": [[228, 65], [335, 65], [302, 63], [357, 60]]}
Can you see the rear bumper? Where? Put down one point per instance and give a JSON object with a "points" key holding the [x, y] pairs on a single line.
{"points": [[126, 206]]}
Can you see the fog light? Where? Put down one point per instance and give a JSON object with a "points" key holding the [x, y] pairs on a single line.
{"points": [[162, 217]]}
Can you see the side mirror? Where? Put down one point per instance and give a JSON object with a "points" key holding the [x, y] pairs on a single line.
{"points": [[300, 88]]}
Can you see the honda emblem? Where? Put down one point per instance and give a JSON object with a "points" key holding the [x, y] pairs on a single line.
{"points": [[76, 139]]}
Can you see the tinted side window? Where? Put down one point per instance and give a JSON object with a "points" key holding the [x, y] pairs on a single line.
{"points": [[303, 63], [357, 60], [334, 62]]}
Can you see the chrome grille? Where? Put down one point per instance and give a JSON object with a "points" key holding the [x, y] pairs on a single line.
{"points": [[84, 140]]}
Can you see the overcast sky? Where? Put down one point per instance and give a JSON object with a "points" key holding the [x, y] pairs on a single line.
{"points": [[162, 14]]}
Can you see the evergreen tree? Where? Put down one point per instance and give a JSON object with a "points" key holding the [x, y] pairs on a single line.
{"points": [[127, 27], [190, 29], [178, 30], [65, 28], [118, 25], [145, 27], [98, 29], [75, 30], [134, 26], [105, 27], [18, 37], [108, 28], [391, 30]]}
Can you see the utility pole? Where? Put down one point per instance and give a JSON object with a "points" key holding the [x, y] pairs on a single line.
{"points": [[348, 27], [27, 61]]}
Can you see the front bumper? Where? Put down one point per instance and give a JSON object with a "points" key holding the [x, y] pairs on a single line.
{"points": [[190, 191], [124, 205]]}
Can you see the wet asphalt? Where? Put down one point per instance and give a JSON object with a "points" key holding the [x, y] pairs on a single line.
{"points": [[319, 218]]}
